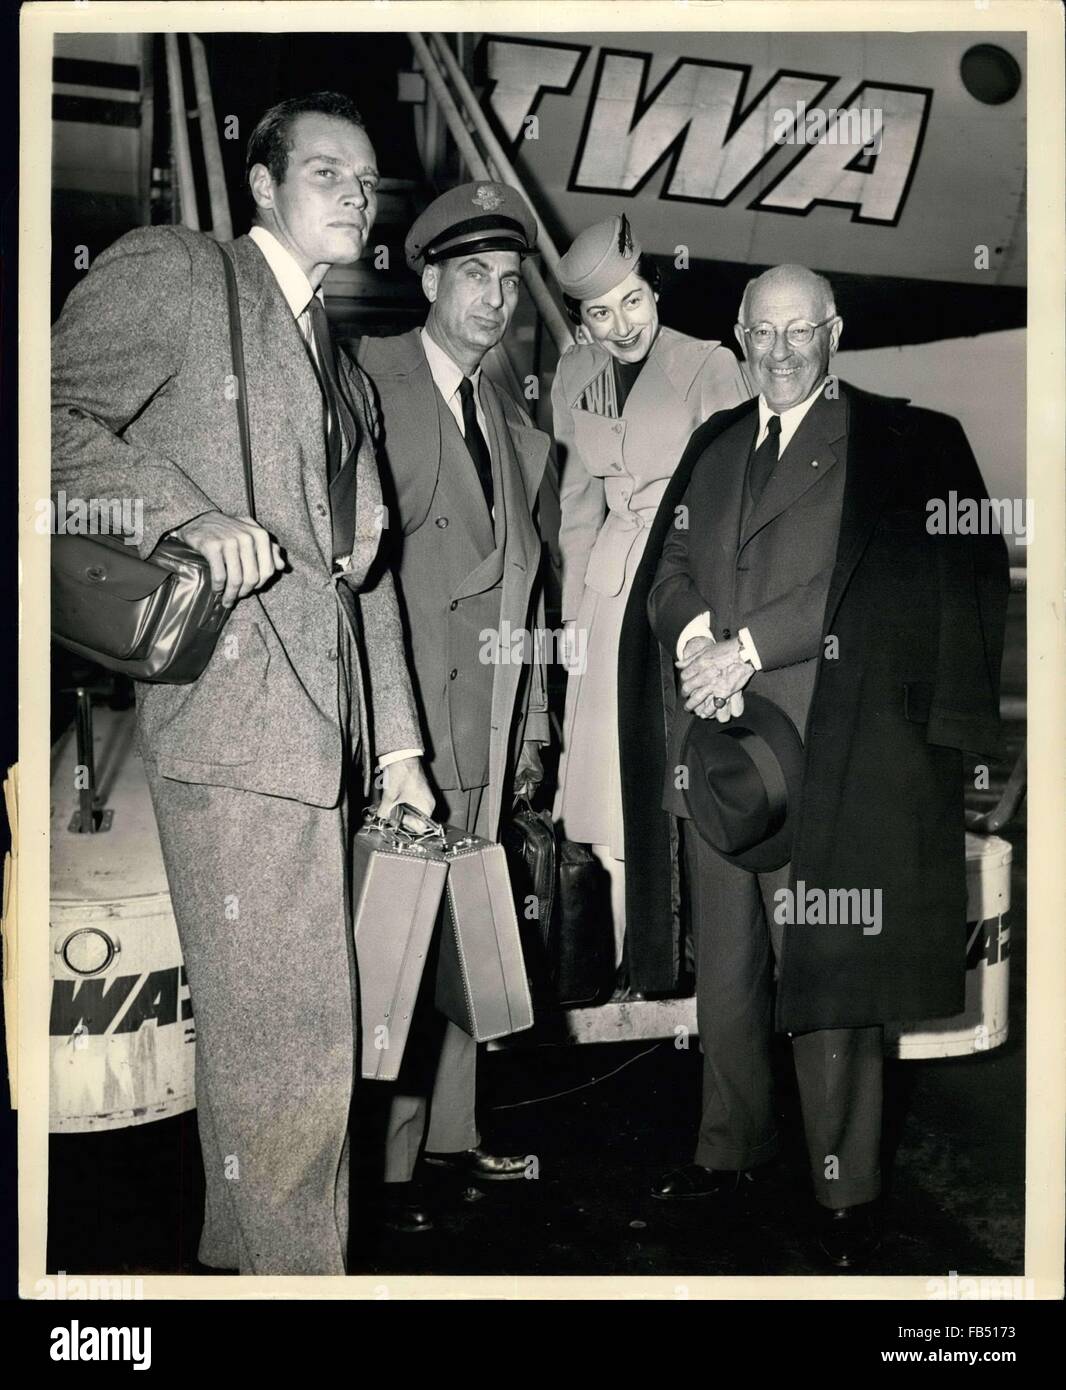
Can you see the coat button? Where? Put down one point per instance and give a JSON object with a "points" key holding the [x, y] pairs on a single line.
{"points": [[331, 655], [616, 467], [726, 633], [618, 428], [441, 521], [454, 604], [320, 509], [453, 673]]}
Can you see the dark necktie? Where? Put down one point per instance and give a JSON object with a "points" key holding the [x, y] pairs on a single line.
{"points": [[475, 440], [331, 387], [764, 459]]}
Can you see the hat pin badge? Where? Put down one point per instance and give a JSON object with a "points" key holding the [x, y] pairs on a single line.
{"points": [[486, 197]]}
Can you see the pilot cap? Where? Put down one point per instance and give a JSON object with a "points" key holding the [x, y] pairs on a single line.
{"points": [[599, 259], [474, 217]]}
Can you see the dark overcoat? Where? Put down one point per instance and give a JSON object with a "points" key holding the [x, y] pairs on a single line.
{"points": [[889, 660]]}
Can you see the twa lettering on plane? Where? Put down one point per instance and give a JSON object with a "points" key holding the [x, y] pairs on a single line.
{"points": [[704, 126]]}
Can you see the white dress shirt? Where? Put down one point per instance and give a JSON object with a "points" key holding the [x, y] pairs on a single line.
{"points": [[791, 419], [447, 377], [298, 293], [292, 282]]}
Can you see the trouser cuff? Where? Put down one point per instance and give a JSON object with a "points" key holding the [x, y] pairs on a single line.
{"points": [[835, 1195], [732, 1160]]}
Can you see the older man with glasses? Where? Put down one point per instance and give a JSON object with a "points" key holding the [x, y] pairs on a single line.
{"points": [[795, 568]]}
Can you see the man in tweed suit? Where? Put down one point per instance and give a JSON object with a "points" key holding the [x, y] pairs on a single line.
{"points": [[250, 767]]}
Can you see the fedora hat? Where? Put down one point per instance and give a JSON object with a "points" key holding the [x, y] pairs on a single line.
{"points": [[744, 779]]}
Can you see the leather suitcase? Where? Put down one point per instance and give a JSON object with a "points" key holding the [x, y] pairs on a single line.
{"points": [[481, 975], [398, 878]]}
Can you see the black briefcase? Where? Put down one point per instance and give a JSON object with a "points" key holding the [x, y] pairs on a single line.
{"points": [[581, 942], [528, 838]]}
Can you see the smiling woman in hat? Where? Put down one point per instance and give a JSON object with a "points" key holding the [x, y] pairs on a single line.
{"points": [[625, 400]]}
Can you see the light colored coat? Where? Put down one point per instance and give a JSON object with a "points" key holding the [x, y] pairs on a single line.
{"points": [[460, 576], [141, 409], [614, 471]]}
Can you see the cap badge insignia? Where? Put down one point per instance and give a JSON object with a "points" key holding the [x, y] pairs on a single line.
{"points": [[487, 198]]}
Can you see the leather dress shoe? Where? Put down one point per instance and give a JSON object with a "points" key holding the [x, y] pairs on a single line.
{"points": [[847, 1236], [693, 1181], [480, 1164], [404, 1208]]}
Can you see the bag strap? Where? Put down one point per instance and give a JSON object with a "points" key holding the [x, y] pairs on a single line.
{"points": [[236, 342]]}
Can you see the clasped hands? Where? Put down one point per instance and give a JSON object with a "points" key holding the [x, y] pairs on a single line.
{"points": [[712, 676]]}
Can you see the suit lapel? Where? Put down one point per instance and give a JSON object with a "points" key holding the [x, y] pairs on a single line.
{"points": [[671, 366], [464, 485], [522, 453], [421, 411], [529, 448], [735, 446], [813, 452], [277, 357], [587, 362], [497, 563], [874, 433]]}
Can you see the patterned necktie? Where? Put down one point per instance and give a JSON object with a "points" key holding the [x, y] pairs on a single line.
{"points": [[475, 440], [326, 367], [764, 458]]}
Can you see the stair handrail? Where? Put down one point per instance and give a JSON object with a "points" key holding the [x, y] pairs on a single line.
{"points": [[179, 132], [506, 170], [495, 167], [218, 197]]}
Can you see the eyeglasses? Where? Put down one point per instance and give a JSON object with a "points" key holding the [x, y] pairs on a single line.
{"points": [[799, 332]]}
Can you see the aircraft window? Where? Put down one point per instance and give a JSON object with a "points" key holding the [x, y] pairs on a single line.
{"points": [[990, 74]]}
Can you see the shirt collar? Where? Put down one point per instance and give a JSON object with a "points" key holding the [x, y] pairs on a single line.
{"points": [[446, 373], [292, 282], [790, 418]]}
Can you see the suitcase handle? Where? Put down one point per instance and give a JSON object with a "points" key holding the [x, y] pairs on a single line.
{"points": [[397, 823], [404, 811]]}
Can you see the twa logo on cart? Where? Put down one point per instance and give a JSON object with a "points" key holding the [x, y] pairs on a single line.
{"points": [[988, 941], [120, 1004]]}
